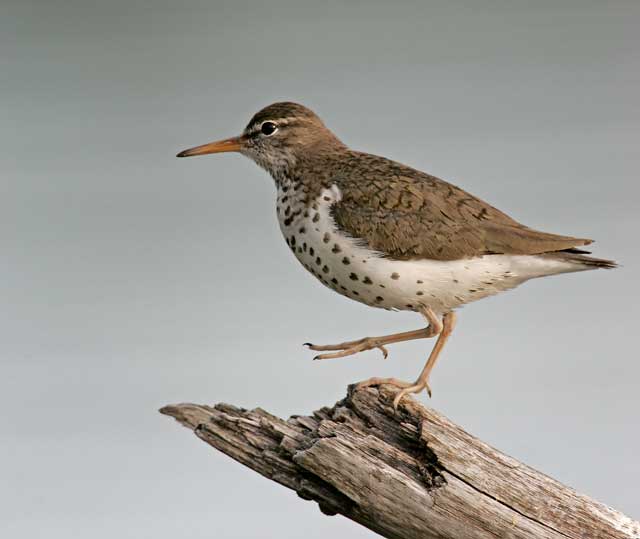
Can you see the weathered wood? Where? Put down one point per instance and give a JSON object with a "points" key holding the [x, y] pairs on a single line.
{"points": [[410, 474]]}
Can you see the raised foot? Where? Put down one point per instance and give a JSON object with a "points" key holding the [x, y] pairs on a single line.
{"points": [[405, 388], [348, 348]]}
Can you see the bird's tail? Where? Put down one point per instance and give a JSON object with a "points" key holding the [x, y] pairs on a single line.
{"points": [[580, 259]]}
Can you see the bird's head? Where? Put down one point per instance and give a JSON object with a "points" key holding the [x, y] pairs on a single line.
{"points": [[277, 138]]}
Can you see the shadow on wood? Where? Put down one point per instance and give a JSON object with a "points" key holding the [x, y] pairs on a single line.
{"points": [[403, 475]]}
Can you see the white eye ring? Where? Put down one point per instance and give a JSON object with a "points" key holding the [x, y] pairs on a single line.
{"points": [[268, 128]]}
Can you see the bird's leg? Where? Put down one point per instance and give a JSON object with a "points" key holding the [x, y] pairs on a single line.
{"points": [[368, 343], [448, 323]]}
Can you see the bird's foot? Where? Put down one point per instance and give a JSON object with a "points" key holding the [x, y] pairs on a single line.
{"points": [[405, 388], [348, 348]]}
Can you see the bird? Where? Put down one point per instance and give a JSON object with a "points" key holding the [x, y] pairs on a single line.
{"points": [[389, 236]]}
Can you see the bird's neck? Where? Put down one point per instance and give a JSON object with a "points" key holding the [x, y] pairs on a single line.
{"points": [[313, 166]]}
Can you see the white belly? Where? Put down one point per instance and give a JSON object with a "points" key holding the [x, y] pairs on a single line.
{"points": [[354, 271]]}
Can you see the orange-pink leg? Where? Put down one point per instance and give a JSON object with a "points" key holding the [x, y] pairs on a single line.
{"points": [[368, 343], [448, 323]]}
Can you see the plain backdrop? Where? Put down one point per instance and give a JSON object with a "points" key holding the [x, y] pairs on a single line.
{"points": [[130, 279]]}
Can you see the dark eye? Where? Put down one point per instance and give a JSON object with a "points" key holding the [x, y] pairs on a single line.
{"points": [[268, 128]]}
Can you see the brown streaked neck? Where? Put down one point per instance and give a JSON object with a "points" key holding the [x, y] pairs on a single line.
{"points": [[311, 164]]}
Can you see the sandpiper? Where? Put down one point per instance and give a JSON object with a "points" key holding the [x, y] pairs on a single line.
{"points": [[390, 236]]}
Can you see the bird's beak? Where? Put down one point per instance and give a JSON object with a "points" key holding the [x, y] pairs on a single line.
{"points": [[233, 144]]}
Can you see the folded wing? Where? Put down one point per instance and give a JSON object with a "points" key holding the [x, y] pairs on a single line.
{"points": [[414, 215]]}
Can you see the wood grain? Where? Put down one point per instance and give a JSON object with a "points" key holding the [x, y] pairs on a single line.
{"points": [[410, 474]]}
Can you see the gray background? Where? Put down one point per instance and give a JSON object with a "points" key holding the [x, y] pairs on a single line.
{"points": [[130, 279]]}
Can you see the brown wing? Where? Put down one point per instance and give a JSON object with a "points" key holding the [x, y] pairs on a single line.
{"points": [[409, 214]]}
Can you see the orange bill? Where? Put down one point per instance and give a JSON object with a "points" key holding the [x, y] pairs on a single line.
{"points": [[233, 144]]}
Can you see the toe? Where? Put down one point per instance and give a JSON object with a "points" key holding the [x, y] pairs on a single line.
{"points": [[417, 388], [369, 382], [397, 400], [400, 395], [326, 356]]}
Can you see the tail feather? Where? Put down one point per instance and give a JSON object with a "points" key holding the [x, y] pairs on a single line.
{"points": [[577, 256], [576, 251]]}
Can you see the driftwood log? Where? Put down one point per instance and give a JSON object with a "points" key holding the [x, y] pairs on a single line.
{"points": [[405, 474]]}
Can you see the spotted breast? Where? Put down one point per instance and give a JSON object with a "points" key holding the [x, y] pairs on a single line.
{"points": [[345, 265]]}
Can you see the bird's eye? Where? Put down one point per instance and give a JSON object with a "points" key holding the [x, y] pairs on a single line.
{"points": [[268, 128]]}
